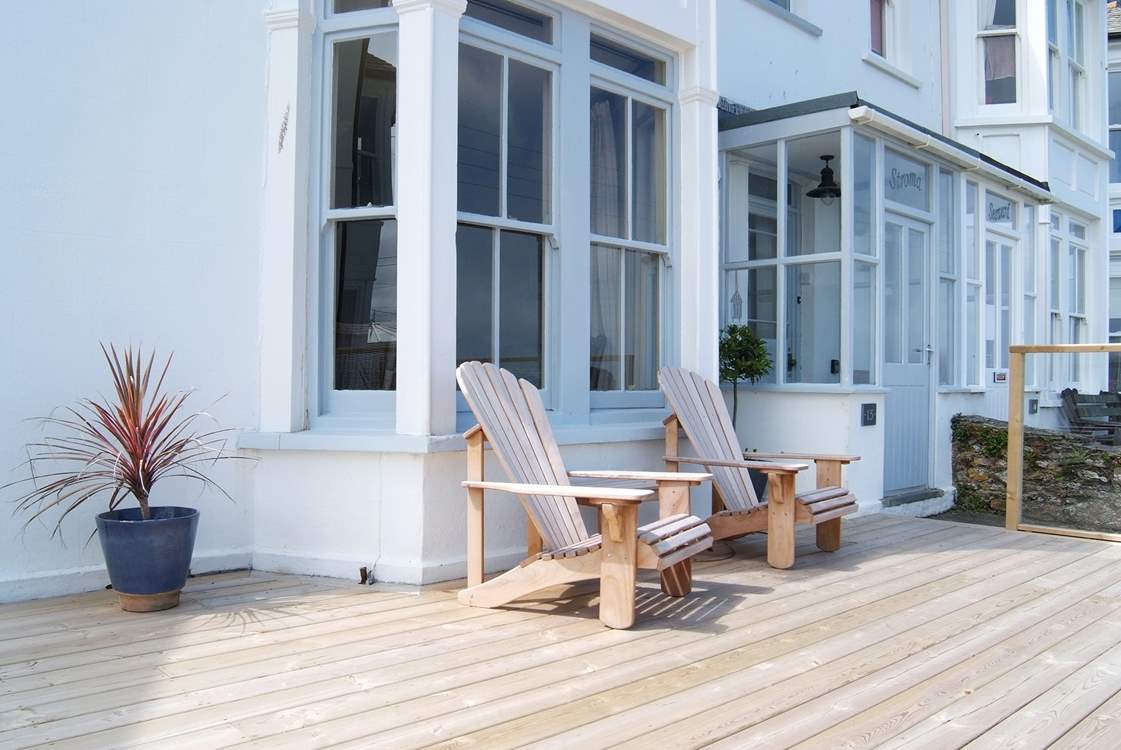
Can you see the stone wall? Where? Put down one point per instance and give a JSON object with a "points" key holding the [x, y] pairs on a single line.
{"points": [[1069, 480]]}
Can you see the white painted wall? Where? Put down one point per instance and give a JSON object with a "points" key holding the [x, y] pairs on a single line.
{"points": [[766, 60], [130, 180]]}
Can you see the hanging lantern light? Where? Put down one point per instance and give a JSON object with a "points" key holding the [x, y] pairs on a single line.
{"points": [[828, 190]]}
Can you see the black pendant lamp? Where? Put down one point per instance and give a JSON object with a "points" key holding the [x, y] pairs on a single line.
{"points": [[828, 190]]}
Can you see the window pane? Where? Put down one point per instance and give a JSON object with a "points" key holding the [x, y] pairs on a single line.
{"points": [[1000, 211], [997, 14], [366, 306], [1000, 69], [1029, 338], [480, 130], [1115, 163], [762, 226], [813, 307], [1005, 297], [641, 316], [365, 120], [906, 181], [520, 305], [893, 293], [752, 300], [1052, 21], [863, 323], [1078, 279], [1077, 336], [609, 163], [1029, 249], [947, 332], [648, 178], [474, 304], [947, 223], [627, 60], [876, 12], [346, 6], [606, 299], [1079, 37], [972, 228], [1075, 97], [972, 338], [512, 17], [864, 166], [1115, 98], [1077, 230], [1054, 273], [528, 134], [1116, 220], [990, 304], [916, 297]]}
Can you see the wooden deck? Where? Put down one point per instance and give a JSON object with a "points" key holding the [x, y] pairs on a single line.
{"points": [[917, 633]]}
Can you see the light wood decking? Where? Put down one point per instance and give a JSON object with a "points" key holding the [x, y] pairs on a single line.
{"points": [[916, 633]]}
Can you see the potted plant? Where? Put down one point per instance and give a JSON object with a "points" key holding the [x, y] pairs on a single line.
{"points": [[743, 356], [120, 448]]}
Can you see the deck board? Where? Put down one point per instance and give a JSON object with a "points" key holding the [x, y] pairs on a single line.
{"points": [[916, 633]]}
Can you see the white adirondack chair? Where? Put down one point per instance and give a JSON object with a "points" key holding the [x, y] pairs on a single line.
{"points": [[699, 408], [512, 419]]}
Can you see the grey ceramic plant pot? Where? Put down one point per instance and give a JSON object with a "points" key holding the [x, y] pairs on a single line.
{"points": [[148, 560]]}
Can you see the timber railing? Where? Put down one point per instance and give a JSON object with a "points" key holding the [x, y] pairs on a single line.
{"points": [[1013, 506]]}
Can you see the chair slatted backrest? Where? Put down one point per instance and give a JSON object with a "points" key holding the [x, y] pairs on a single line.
{"points": [[1090, 409], [514, 421], [700, 408]]}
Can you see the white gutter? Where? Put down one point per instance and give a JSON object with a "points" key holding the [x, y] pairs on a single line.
{"points": [[869, 117]]}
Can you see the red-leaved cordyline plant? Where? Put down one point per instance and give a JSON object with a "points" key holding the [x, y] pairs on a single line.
{"points": [[119, 447]]}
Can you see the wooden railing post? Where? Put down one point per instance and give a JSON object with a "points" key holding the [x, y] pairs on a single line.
{"points": [[1015, 482]]}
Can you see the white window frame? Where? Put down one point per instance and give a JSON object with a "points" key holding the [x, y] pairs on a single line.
{"points": [[1113, 127], [636, 89], [983, 34], [955, 277], [328, 407], [512, 46]]}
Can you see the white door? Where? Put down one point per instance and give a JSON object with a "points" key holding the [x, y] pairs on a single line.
{"points": [[907, 355]]}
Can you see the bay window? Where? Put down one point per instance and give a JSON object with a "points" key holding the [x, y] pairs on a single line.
{"points": [[629, 157], [1066, 61], [997, 38]]}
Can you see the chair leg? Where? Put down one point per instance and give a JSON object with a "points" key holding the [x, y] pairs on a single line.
{"points": [[829, 535], [677, 580], [673, 498], [618, 526], [780, 521]]}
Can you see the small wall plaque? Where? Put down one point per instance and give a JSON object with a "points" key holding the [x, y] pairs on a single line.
{"points": [[1000, 376], [867, 415]]}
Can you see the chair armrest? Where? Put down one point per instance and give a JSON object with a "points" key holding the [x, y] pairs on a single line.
{"points": [[766, 467], [619, 495], [648, 476], [839, 457]]}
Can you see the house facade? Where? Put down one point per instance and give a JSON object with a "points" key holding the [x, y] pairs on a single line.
{"points": [[324, 206]]}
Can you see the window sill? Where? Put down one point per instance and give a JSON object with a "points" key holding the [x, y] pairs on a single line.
{"points": [[387, 441], [968, 390], [822, 388], [792, 18], [884, 66]]}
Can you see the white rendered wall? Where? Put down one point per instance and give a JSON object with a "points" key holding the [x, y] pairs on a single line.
{"points": [[130, 179], [766, 60]]}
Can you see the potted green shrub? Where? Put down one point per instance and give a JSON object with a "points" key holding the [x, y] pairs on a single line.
{"points": [[120, 448], [743, 357]]}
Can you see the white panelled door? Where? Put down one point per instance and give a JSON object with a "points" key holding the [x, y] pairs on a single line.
{"points": [[907, 354]]}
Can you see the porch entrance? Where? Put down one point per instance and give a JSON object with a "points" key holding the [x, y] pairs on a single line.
{"points": [[907, 354]]}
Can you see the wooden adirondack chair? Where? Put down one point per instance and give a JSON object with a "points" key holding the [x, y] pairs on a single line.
{"points": [[1095, 416], [698, 407], [512, 419]]}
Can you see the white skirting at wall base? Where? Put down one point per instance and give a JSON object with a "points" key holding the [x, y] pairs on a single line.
{"points": [[409, 572], [93, 577], [924, 508]]}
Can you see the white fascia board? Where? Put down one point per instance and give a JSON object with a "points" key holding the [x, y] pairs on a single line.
{"points": [[869, 117]]}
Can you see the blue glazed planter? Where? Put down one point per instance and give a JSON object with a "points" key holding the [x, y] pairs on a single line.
{"points": [[148, 561]]}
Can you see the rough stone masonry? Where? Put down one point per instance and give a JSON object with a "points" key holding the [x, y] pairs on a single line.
{"points": [[1069, 480]]}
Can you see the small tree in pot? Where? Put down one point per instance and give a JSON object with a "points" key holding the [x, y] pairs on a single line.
{"points": [[743, 356], [120, 448]]}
